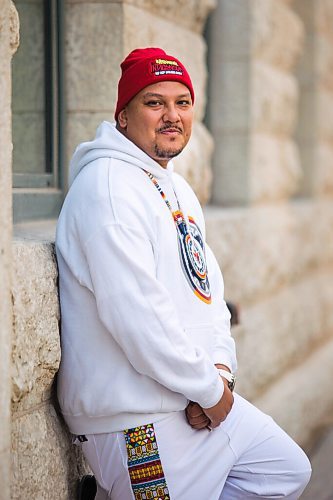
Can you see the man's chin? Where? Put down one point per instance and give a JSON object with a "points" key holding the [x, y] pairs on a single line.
{"points": [[167, 154]]}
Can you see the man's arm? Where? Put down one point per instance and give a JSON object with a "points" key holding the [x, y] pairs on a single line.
{"points": [[224, 352], [224, 347]]}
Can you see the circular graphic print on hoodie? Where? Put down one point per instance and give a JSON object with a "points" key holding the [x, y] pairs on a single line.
{"points": [[192, 256]]}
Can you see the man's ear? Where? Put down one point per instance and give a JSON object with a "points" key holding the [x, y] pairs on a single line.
{"points": [[122, 118]]}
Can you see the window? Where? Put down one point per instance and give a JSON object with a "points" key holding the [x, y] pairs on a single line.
{"points": [[37, 111]]}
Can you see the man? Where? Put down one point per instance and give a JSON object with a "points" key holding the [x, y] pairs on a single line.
{"points": [[146, 376]]}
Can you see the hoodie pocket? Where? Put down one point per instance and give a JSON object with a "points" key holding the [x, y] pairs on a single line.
{"points": [[202, 336]]}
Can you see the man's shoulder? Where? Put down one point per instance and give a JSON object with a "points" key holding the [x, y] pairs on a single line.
{"points": [[107, 172]]}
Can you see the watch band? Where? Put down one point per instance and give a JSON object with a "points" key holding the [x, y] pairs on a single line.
{"points": [[230, 378]]}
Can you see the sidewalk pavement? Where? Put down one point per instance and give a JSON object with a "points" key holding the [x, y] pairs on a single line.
{"points": [[320, 486]]}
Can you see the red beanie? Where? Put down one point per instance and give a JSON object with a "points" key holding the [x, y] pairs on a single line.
{"points": [[142, 67]]}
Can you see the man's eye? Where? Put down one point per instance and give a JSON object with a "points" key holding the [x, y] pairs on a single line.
{"points": [[153, 103], [184, 102]]}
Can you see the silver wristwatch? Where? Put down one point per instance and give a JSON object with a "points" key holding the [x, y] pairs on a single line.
{"points": [[231, 378]]}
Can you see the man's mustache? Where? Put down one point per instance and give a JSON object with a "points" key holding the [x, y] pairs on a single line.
{"points": [[168, 126]]}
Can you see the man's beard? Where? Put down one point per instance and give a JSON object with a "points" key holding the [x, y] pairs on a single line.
{"points": [[165, 154]]}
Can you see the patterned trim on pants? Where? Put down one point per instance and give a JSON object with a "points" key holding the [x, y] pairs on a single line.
{"points": [[144, 464]]}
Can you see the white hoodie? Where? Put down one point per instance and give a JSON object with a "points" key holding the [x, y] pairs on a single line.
{"points": [[138, 338]]}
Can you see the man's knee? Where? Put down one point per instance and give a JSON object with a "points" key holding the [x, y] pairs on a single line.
{"points": [[299, 480], [287, 479], [291, 483]]}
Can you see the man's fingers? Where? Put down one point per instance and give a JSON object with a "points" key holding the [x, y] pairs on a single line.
{"points": [[199, 427], [198, 419], [193, 409], [201, 419], [197, 416]]}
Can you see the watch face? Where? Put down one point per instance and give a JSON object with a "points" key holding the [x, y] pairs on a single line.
{"points": [[230, 377], [232, 382]]}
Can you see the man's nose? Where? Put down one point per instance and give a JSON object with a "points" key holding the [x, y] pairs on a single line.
{"points": [[171, 114]]}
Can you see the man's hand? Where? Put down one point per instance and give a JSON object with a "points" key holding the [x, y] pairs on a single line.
{"points": [[196, 416], [219, 412], [209, 418], [203, 418]]}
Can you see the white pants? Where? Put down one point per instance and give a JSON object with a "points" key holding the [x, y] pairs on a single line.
{"points": [[247, 456]]}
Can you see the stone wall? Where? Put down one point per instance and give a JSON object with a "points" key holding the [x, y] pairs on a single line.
{"points": [[44, 464], [8, 45], [273, 244]]}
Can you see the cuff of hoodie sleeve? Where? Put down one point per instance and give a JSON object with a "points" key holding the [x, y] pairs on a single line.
{"points": [[223, 359], [216, 396]]}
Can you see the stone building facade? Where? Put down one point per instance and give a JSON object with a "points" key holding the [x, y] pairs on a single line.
{"points": [[261, 160]]}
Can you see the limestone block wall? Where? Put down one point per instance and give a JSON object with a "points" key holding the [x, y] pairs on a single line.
{"points": [[101, 34], [44, 464], [274, 246], [8, 45]]}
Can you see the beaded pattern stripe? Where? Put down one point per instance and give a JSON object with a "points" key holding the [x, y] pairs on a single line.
{"points": [[144, 464]]}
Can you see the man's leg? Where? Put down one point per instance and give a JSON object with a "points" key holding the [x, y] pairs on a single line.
{"points": [[166, 459], [107, 459], [248, 456], [269, 464], [273, 466]]}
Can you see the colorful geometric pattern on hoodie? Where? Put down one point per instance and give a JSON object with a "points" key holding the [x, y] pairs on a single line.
{"points": [[192, 256], [144, 464]]}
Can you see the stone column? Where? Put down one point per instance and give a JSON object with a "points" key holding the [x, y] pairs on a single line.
{"points": [[315, 74], [8, 45], [323, 180], [253, 100]]}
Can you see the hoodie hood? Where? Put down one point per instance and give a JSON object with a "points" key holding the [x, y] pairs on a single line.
{"points": [[110, 143]]}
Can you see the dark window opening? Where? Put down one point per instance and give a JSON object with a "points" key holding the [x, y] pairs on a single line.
{"points": [[37, 110]]}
